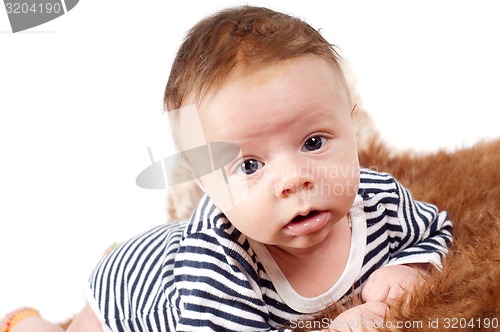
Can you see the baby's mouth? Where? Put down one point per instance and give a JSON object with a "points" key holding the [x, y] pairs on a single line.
{"points": [[306, 223], [302, 217]]}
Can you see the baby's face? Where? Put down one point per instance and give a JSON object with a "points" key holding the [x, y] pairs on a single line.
{"points": [[292, 124]]}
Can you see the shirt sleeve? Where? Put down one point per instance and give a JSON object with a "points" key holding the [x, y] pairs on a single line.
{"points": [[218, 287], [128, 288], [421, 233]]}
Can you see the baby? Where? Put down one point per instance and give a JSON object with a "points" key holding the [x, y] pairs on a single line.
{"points": [[289, 225]]}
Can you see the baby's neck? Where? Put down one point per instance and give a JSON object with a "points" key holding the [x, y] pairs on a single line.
{"points": [[314, 272]]}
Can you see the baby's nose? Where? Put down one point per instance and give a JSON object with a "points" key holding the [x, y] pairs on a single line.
{"points": [[291, 180]]}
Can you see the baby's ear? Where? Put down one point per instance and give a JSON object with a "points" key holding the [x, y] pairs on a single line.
{"points": [[184, 191], [185, 172]]}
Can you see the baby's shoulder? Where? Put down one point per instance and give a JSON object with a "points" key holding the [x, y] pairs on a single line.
{"points": [[147, 246]]}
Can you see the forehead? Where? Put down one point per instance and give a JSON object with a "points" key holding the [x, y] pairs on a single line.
{"points": [[250, 101], [256, 75]]}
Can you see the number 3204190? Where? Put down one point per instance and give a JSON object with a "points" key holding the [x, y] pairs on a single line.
{"points": [[26, 8], [462, 323]]}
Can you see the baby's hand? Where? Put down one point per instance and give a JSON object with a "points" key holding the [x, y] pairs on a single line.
{"points": [[389, 282], [364, 317], [384, 285]]}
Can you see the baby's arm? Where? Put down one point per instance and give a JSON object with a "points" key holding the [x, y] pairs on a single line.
{"points": [[419, 237], [420, 234]]}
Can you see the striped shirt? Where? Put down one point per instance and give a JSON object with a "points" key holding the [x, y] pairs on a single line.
{"points": [[204, 275]]}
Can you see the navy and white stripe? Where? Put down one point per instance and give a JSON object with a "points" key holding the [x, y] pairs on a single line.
{"points": [[204, 275]]}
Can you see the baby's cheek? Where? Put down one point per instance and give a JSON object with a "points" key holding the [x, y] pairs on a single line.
{"points": [[226, 194]]}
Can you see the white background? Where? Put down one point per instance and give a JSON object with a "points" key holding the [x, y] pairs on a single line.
{"points": [[81, 100]]}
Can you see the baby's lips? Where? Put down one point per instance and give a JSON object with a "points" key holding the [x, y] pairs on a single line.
{"points": [[308, 224]]}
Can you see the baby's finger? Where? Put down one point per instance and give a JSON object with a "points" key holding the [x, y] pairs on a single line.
{"points": [[373, 292], [364, 317], [377, 309]]}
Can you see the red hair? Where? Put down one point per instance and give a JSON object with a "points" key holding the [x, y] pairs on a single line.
{"points": [[243, 36]]}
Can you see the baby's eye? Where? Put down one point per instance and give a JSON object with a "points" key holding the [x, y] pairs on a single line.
{"points": [[314, 143], [250, 166]]}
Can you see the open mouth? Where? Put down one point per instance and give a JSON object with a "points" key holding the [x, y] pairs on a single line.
{"points": [[307, 223], [300, 218]]}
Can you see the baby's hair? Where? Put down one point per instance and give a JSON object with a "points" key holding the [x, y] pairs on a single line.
{"points": [[247, 37]]}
